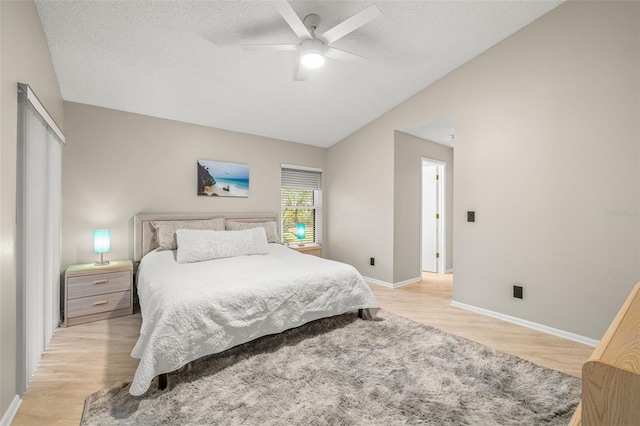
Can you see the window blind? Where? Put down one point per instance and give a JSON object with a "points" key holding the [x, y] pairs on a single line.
{"points": [[301, 179], [301, 203], [38, 232]]}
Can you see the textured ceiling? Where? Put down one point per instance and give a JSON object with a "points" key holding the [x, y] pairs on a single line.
{"points": [[182, 60], [441, 130]]}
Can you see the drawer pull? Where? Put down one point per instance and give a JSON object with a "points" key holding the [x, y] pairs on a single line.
{"points": [[103, 281], [101, 302]]}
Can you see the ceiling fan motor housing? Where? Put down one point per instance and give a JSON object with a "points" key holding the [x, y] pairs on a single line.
{"points": [[312, 45]]}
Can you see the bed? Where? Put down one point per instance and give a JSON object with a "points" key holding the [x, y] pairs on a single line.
{"points": [[194, 309]]}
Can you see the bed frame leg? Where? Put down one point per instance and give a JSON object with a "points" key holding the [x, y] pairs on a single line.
{"points": [[368, 314], [162, 381]]}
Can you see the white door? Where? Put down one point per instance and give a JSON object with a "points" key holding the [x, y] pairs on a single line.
{"points": [[430, 214]]}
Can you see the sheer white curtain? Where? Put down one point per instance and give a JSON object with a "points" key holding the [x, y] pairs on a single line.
{"points": [[38, 232]]}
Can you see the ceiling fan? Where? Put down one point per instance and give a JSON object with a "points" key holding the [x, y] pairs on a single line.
{"points": [[314, 48]]}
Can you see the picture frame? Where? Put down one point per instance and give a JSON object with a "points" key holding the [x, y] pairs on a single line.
{"points": [[222, 179]]}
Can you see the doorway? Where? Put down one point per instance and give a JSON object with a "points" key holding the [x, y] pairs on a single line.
{"points": [[433, 250]]}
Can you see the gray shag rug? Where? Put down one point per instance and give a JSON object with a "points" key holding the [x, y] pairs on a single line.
{"points": [[346, 371]]}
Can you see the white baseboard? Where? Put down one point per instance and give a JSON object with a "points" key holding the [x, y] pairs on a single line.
{"points": [[11, 411], [407, 282], [529, 324], [392, 285], [449, 271], [378, 282]]}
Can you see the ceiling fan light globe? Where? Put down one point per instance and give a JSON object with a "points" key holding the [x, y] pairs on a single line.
{"points": [[312, 60]]}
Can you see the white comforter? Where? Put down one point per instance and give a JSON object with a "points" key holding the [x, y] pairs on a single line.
{"points": [[196, 309]]}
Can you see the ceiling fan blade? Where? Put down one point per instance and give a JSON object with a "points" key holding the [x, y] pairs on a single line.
{"points": [[292, 19], [302, 73], [332, 52], [270, 46], [351, 24]]}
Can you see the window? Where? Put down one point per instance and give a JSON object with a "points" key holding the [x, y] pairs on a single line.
{"points": [[301, 199]]}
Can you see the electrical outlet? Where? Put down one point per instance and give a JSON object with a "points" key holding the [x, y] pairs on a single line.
{"points": [[517, 291], [372, 261]]}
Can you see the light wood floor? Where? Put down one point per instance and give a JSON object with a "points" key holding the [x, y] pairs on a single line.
{"points": [[86, 358]]}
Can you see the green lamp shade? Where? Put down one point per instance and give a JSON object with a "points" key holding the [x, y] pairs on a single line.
{"points": [[101, 241]]}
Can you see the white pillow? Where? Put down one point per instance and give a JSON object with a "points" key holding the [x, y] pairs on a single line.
{"points": [[198, 245], [271, 227]]}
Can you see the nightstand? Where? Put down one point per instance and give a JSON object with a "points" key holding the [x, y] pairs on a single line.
{"points": [[94, 293], [311, 248]]}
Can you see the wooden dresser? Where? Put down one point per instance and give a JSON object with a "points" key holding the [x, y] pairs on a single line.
{"points": [[611, 376], [98, 292]]}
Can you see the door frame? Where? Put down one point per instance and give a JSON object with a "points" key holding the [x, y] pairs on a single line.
{"points": [[441, 209]]}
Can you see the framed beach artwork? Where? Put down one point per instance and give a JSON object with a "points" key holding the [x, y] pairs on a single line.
{"points": [[218, 179]]}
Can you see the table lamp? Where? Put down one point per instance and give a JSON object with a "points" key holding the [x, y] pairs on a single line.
{"points": [[101, 244], [301, 233]]}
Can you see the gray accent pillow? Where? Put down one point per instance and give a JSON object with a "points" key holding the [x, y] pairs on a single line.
{"points": [[166, 229], [270, 227]]}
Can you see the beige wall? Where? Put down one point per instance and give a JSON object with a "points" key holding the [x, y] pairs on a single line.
{"points": [[408, 154], [549, 144], [118, 164], [546, 142], [25, 58], [360, 201]]}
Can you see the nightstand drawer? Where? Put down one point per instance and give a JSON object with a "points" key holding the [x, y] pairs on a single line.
{"points": [[97, 304], [90, 285]]}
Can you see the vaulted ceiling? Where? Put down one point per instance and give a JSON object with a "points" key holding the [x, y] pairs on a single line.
{"points": [[183, 60]]}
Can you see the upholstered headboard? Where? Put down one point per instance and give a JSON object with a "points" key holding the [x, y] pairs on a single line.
{"points": [[144, 234]]}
